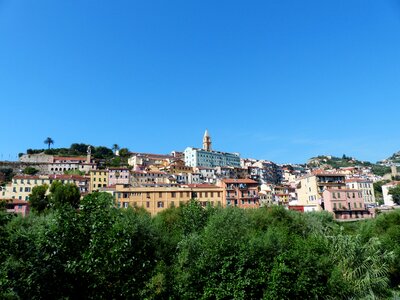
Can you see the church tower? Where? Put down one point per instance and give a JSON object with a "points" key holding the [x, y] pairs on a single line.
{"points": [[206, 141]]}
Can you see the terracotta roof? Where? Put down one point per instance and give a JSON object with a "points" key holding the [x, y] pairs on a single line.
{"points": [[17, 201], [202, 185], [239, 181], [342, 190], [52, 176], [358, 180], [70, 157]]}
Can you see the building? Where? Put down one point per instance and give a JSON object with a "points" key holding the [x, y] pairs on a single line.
{"points": [[263, 171], [139, 178], [195, 157], [144, 160], [157, 198], [16, 206], [98, 179], [387, 198], [119, 175], [365, 186], [345, 204], [21, 185], [309, 188], [240, 192]]}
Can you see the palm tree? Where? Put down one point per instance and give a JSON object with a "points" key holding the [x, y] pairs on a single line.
{"points": [[49, 141], [115, 147]]}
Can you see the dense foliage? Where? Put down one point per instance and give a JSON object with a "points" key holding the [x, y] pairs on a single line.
{"points": [[189, 252]]}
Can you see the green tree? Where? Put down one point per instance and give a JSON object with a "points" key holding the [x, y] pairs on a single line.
{"points": [[38, 199], [395, 192], [7, 174], [124, 152], [30, 171], [102, 152], [78, 149], [49, 141], [64, 194], [115, 148]]}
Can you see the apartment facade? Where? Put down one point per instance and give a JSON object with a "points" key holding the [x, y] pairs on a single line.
{"points": [[310, 188], [98, 179], [240, 192], [156, 199], [21, 185], [365, 186], [118, 176], [345, 203]]}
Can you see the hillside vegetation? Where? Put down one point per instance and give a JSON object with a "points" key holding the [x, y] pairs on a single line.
{"points": [[188, 252]]}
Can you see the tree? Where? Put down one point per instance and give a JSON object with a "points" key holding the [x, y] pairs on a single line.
{"points": [[7, 174], [123, 152], [30, 171], [64, 194], [49, 141], [115, 147], [102, 152], [395, 192], [38, 199]]}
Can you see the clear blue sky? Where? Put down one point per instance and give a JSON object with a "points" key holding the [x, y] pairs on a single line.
{"points": [[278, 80]]}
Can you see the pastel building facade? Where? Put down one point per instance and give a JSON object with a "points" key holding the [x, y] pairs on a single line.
{"points": [[118, 176], [156, 199], [240, 192], [310, 188], [345, 204], [98, 179], [365, 186], [21, 185]]}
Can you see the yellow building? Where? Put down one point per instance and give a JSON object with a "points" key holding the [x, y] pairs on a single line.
{"points": [[310, 188], [98, 179], [21, 186], [156, 199]]}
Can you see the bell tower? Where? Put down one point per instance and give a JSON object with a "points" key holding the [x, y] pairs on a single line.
{"points": [[206, 141]]}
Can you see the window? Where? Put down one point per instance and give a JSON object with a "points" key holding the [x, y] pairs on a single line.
{"points": [[160, 204], [126, 204], [147, 204], [334, 205], [159, 194]]}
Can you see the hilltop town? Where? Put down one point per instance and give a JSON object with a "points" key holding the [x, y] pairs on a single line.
{"points": [[343, 186]]}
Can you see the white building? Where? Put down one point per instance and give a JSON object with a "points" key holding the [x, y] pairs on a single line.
{"points": [[196, 157], [387, 199]]}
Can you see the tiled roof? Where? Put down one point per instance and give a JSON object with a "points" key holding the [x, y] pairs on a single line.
{"points": [[239, 181]]}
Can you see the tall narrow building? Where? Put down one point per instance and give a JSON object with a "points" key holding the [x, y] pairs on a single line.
{"points": [[206, 141]]}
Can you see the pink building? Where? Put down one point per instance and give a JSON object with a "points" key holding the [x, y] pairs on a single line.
{"points": [[18, 207], [118, 176], [345, 203]]}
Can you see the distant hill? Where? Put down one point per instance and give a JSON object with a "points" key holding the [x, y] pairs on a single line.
{"points": [[328, 162], [394, 159]]}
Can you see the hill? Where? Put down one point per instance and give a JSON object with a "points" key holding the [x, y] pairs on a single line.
{"points": [[332, 162]]}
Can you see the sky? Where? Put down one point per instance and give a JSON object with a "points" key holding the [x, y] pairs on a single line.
{"points": [[271, 79]]}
